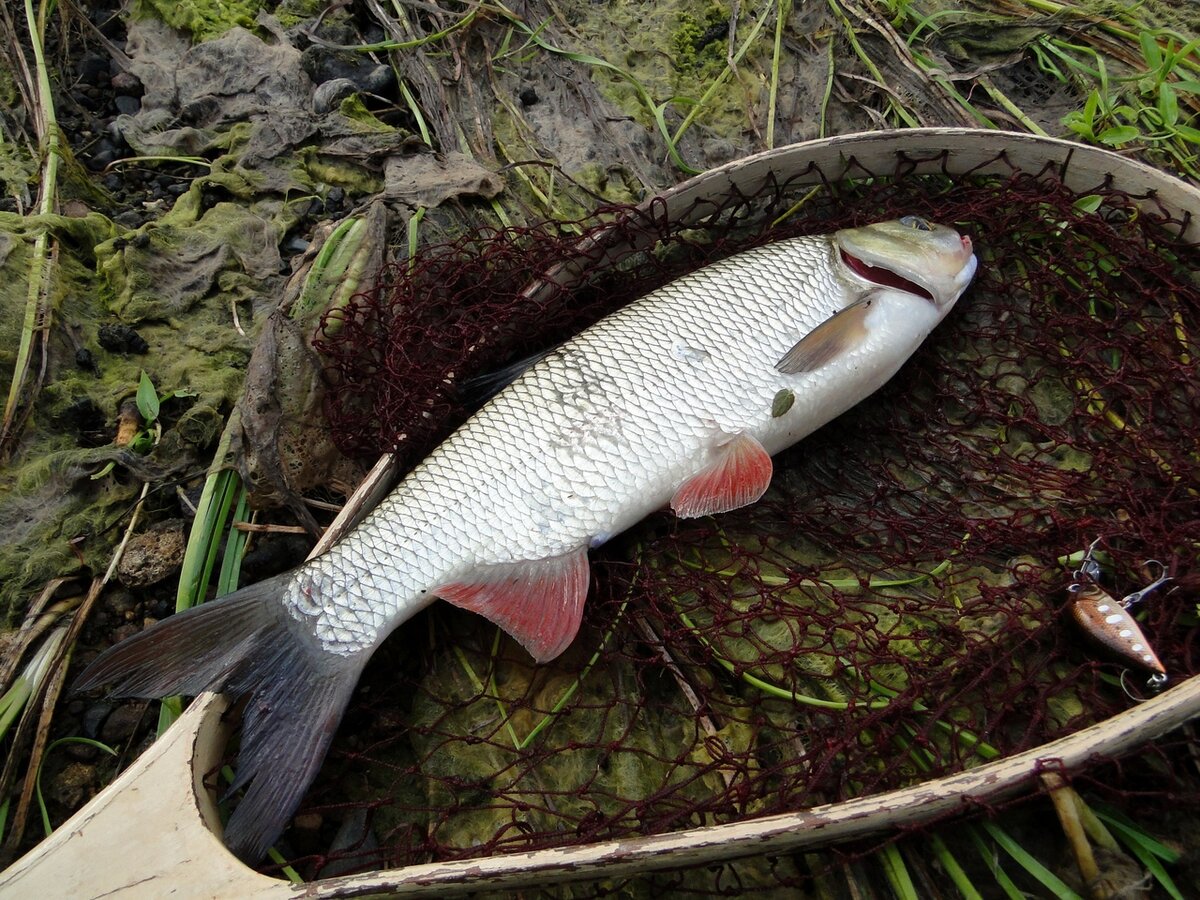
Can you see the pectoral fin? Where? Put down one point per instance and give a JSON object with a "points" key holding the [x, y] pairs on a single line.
{"points": [[539, 603], [738, 475], [842, 331]]}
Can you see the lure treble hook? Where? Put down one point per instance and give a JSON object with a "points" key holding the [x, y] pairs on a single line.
{"points": [[1138, 596]]}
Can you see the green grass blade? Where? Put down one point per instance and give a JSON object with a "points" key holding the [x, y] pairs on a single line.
{"points": [[1051, 882], [988, 854], [897, 873], [37, 781], [1150, 852], [953, 870], [235, 547]]}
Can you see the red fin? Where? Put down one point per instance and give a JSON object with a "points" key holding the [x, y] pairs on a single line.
{"points": [[737, 477], [539, 603]]}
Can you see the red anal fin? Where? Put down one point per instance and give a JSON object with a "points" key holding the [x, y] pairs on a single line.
{"points": [[539, 603], [737, 476]]}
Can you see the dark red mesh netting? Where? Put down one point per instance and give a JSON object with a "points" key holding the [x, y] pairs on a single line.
{"points": [[893, 610]]}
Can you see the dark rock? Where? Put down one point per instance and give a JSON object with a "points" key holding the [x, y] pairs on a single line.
{"points": [[112, 182], [128, 630], [101, 158], [330, 93], [323, 65], [528, 96], [379, 80], [94, 716], [127, 84], [85, 360], [296, 244], [81, 752], [121, 339], [335, 201], [127, 105], [92, 67], [120, 603], [122, 723]]}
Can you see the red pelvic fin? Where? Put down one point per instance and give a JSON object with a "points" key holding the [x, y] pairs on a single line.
{"points": [[737, 476], [539, 603]]}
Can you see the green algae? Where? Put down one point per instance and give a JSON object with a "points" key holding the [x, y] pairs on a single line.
{"points": [[179, 281], [357, 114], [598, 761], [675, 49], [202, 19]]}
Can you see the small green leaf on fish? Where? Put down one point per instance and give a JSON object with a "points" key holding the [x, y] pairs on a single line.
{"points": [[782, 403]]}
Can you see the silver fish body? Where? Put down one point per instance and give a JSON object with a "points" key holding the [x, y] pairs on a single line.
{"points": [[670, 401]]}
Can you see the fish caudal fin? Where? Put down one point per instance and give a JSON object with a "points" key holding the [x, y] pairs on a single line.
{"points": [[247, 645]]}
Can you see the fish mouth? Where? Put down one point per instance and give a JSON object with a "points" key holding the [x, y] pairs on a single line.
{"points": [[883, 276], [920, 258]]}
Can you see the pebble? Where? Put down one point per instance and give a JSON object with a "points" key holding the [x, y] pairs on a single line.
{"points": [[330, 93], [127, 105], [152, 555], [528, 96], [69, 785], [121, 604], [93, 717], [121, 339], [122, 722], [92, 67], [127, 84]]}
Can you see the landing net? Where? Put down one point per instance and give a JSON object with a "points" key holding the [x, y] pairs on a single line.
{"points": [[893, 610]]}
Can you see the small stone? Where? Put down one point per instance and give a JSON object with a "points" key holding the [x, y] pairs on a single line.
{"points": [[69, 786], [100, 159], [121, 723], [378, 80], [92, 67], [121, 339], [528, 96], [127, 84], [152, 555], [121, 604], [93, 717], [126, 105], [329, 94], [80, 751]]}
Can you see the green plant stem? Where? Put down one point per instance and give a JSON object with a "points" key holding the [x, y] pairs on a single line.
{"points": [[901, 113], [719, 80], [36, 313], [952, 868], [37, 781], [783, 9], [200, 554]]}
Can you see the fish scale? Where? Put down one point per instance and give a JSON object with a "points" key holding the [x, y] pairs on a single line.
{"points": [[670, 401], [607, 423]]}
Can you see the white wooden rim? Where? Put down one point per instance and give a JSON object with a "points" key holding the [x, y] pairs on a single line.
{"points": [[149, 833]]}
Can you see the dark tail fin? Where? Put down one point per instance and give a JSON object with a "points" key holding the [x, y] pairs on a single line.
{"points": [[245, 644]]}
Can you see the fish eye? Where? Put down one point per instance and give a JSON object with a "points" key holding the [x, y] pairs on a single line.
{"points": [[916, 222]]}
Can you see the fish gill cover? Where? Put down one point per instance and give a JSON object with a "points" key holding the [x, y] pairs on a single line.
{"points": [[894, 609]]}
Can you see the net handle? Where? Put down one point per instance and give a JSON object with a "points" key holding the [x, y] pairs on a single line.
{"points": [[924, 151]]}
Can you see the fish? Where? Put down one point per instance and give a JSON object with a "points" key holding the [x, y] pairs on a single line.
{"points": [[677, 400]]}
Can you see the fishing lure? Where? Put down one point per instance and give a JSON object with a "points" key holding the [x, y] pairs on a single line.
{"points": [[1108, 620]]}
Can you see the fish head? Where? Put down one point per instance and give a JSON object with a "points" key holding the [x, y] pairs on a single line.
{"points": [[910, 254]]}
